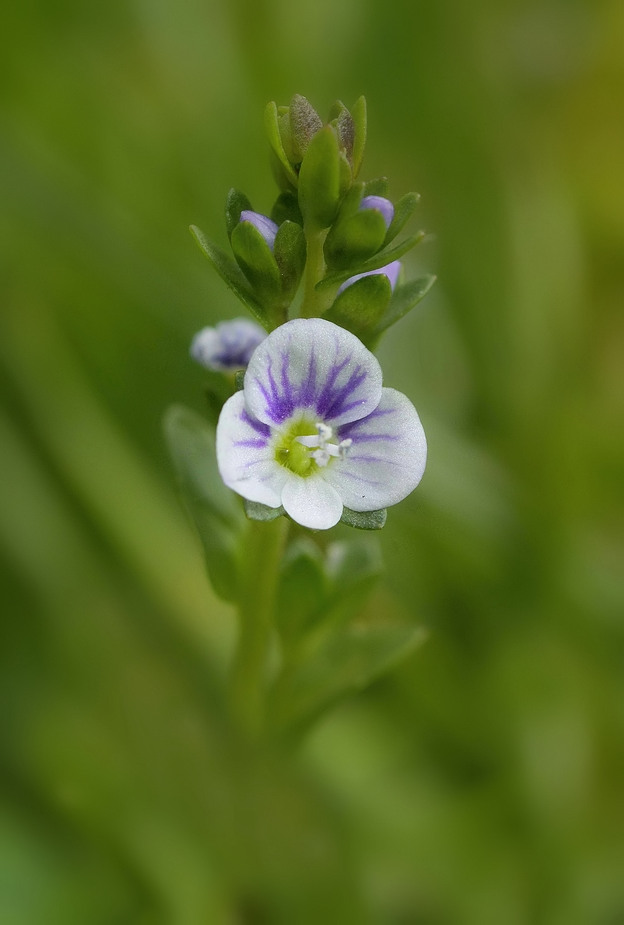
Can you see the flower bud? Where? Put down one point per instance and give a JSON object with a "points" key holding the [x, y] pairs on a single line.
{"points": [[382, 205], [392, 271], [228, 346], [267, 228]]}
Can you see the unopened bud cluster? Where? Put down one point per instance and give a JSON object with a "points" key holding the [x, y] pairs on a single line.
{"points": [[326, 226]]}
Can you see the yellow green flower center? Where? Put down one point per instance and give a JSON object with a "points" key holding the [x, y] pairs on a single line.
{"points": [[304, 446]]}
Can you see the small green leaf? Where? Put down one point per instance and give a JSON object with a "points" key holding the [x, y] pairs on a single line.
{"points": [[289, 251], [239, 379], [319, 179], [358, 114], [213, 507], [355, 239], [360, 307], [349, 660], [364, 520], [256, 511], [257, 262], [271, 124], [403, 211], [380, 260], [231, 274], [235, 203], [404, 298]]}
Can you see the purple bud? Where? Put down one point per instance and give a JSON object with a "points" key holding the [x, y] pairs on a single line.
{"points": [[381, 204], [228, 346], [267, 228], [392, 271]]}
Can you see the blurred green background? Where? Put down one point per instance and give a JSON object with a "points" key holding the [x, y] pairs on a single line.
{"points": [[482, 781]]}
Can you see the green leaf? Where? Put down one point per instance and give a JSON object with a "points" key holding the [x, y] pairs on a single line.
{"points": [[257, 262], [231, 274], [404, 298], [364, 520], [271, 124], [355, 239], [290, 255], [380, 260], [360, 307], [213, 507], [239, 379], [403, 211], [349, 661], [235, 203], [319, 180], [358, 114], [301, 591], [262, 512]]}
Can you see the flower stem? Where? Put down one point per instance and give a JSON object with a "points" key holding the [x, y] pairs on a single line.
{"points": [[263, 551], [314, 303]]}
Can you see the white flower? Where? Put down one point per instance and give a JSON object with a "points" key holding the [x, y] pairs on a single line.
{"points": [[228, 346], [314, 430]]}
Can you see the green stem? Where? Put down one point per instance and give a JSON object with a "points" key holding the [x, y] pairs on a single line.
{"points": [[314, 303], [263, 552]]}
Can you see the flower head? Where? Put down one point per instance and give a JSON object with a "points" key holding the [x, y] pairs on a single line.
{"points": [[313, 429], [228, 346]]}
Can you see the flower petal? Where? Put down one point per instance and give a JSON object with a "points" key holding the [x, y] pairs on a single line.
{"points": [[245, 455], [387, 458], [312, 365], [312, 502]]}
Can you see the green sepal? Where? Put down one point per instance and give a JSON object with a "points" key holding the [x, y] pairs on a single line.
{"points": [[289, 252], [256, 260], [256, 511], [319, 180], [232, 275], [380, 260], [364, 520], [355, 239], [360, 307], [235, 203], [403, 211], [272, 128], [286, 209], [302, 590], [212, 506], [305, 122], [239, 379], [404, 299], [358, 114]]}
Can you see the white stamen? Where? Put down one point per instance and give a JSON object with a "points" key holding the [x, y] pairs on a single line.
{"points": [[322, 449]]}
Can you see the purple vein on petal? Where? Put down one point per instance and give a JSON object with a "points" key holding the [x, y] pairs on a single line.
{"points": [[308, 387], [333, 403], [263, 429]]}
